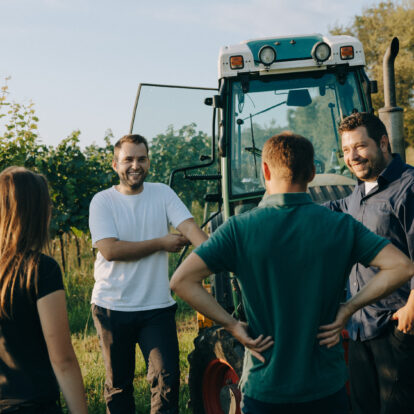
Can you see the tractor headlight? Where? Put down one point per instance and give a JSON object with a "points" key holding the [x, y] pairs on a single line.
{"points": [[267, 55], [321, 52]]}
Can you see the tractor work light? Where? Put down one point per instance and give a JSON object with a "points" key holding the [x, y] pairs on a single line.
{"points": [[347, 52], [321, 52], [267, 55], [236, 62]]}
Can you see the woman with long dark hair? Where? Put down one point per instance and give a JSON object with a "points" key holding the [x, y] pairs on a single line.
{"points": [[36, 353]]}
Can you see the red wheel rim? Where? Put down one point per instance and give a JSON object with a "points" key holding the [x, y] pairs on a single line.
{"points": [[218, 375]]}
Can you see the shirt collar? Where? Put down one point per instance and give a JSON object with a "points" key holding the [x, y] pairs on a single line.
{"points": [[283, 199], [390, 173], [393, 171]]}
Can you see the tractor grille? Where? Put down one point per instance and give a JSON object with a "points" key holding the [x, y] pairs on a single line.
{"points": [[323, 193]]}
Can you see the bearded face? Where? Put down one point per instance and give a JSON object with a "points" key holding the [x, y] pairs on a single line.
{"points": [[132, 165]]}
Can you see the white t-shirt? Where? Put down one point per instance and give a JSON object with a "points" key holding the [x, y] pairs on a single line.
{"points": [[142, 284]]}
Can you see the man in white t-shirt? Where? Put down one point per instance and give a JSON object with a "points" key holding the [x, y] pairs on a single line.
{"points": [[131, 299]]}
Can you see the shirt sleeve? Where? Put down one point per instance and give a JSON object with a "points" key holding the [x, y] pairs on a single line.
{"points": [[366, 244], [219, 251], [177, 212], [340, 206], [49, 277], [101, 220], [406, 218]]}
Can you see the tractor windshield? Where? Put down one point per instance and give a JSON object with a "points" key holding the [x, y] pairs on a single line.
{"points": [[311, 105]]}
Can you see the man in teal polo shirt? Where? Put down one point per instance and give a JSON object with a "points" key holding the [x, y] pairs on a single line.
{"points": [[291, 258]]}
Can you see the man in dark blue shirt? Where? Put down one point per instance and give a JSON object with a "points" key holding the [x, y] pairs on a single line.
{"points": [[381, 352]]}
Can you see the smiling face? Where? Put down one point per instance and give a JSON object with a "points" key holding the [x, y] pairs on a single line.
{"points": [[132, 165], [365, 159]]}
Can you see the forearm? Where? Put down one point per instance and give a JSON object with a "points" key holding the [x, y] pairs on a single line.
{"points": [[192, 232], [69, 378], [197, 297], [121, 250], [410, 300], [385, 282], [186, 282]]}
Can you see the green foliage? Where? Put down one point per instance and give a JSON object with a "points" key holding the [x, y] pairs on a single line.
{"points": [[176, 149], [375, 28], [18, 144], [74, 177]]}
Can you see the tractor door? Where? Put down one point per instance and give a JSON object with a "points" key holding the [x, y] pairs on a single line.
{"points": [[178, 127], [158, 108]]}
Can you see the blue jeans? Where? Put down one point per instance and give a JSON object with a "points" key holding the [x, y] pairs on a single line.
{"points": [[332, 404]]}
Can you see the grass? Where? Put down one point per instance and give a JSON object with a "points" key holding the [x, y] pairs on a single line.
{"points": [[79, 283]]}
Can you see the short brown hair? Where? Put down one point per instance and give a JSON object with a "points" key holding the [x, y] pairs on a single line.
{"points": [[133, 138], [291, 155], [374, 126]]}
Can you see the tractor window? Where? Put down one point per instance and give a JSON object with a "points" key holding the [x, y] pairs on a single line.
{"points": [[311, 105], [177, 125]]}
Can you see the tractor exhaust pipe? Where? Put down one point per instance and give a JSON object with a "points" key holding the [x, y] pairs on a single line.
{"points": [[391, 114]]}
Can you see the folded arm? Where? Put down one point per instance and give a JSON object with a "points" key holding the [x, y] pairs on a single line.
{"points": [[113, 249]]}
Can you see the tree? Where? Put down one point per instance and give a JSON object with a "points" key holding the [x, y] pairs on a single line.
{"points": [[74, 177], [176, 149], [18, 142], [375, 28]]}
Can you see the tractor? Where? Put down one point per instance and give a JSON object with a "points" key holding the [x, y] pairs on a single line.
{"points": [[306, 84]]}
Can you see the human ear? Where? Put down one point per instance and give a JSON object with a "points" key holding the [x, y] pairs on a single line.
{"points": [[384, 142], [266, 171]]}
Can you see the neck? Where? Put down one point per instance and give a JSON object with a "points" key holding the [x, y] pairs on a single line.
{"points": [[126, 190], [282, 186], [388, 159]]}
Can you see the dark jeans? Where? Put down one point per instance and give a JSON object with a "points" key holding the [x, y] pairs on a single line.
{"points": [[155, 332], [382, 373], [333, 404]]}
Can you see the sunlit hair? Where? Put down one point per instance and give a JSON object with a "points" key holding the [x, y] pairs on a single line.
{"points": [[374, 126], [24, 223], [290, 156], [132, 138]]}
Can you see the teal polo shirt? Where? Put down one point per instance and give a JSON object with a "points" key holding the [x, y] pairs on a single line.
{"points": [[292, 258]]}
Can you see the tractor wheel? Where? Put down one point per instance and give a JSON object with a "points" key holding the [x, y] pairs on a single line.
{"points": [[215, 368]]}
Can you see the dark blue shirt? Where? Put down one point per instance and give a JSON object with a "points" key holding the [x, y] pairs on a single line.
{"points": [[387, 210]]}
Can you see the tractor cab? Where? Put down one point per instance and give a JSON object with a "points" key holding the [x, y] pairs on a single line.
{"points": [[306, 84]]}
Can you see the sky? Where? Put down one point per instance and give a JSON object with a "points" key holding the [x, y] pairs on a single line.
{"points": [[80, 61]]}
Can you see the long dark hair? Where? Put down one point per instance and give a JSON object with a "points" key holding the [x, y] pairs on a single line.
{"points": [[24, 223]]}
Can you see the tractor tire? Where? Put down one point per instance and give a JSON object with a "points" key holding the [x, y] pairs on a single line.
{"points": [[215, 369]]}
